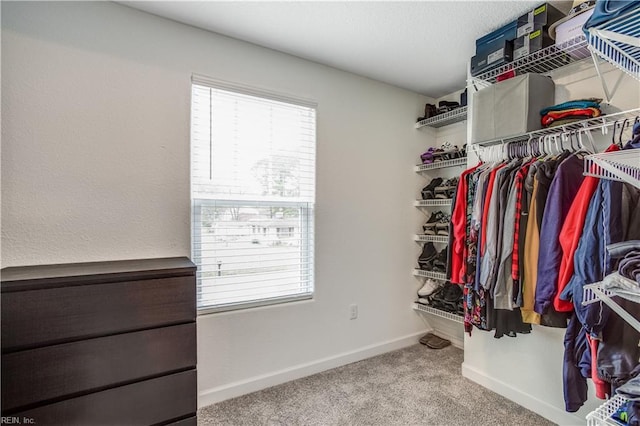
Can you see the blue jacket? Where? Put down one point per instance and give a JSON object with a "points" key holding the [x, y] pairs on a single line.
{"points": [[562, 192]]}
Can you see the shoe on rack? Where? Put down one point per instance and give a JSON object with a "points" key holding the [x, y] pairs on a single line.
{"points": [[429, 227], [430, 110], [440, 262], [427, 156], [428, 288], [446, 189], [442, 228], [448, 298], [448, 104], [428, 192], [453, 294], [429, 253]]}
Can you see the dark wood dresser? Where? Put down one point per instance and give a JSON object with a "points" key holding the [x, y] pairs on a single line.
{"points": [[102, 343]]}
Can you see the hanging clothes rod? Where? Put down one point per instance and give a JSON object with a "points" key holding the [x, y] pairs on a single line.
{"points": [[585, 127]]}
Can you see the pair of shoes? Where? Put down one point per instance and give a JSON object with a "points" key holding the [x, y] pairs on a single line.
{"points": [[446, 189], [429, 287], [447, 298], [447, 154], [437, 262], [426, 258], [448, 104], [434, 342], [427, 156], [436, 217], [440, 262], [437, 224], [428, 192], [430, 110]]}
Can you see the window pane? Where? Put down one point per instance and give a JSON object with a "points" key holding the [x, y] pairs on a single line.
{"points": [[253, 192]]}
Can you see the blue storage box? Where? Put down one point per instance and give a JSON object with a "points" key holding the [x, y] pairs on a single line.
{"points": [[495, 40], [500, 54]]}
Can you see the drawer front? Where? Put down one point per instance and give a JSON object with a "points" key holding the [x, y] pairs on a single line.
{"points": [[145, 403], [49, 316], [191, 421], [41, 374]]}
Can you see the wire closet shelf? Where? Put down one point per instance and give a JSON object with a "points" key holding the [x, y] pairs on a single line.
{"points": [[602, 415], [461, 161], [542, 62], [622, 166], [618, 41], [437, 312], [439, 202], [430, 274], [588, 125], [424, 238], [444, 119]]}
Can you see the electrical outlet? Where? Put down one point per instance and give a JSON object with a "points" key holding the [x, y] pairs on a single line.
{"points": [[353, 311]]}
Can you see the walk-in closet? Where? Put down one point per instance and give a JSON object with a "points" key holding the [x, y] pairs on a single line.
{"points": [[320, 213]]}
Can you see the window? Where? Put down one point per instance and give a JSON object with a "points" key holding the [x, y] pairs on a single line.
{"points": [[253, 195]]}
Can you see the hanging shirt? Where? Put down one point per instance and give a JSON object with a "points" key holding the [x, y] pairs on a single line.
{"points": [[458, 218], [519, 192], [530, 262], [570, 235], [562, 192]]}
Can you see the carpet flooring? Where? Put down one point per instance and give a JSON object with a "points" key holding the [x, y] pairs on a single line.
{"points": [[411, 386]]}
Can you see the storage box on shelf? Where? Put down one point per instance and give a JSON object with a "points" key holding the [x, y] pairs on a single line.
{"points": [[510, 107]]}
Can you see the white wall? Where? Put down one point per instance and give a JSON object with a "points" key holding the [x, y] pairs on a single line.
{"points": [[95, 166], [528, 369]]}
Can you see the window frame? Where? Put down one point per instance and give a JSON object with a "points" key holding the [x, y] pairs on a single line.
{"points": [[307, 209]]}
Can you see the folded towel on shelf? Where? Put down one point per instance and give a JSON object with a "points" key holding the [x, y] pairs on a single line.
{"points": [[575, 113], [578, 103]]}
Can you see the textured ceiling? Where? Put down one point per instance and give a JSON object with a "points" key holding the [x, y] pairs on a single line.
{"points": [[423, 46]]}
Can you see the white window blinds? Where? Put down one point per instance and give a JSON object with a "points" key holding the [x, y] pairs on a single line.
{"points": [[253, 194]]}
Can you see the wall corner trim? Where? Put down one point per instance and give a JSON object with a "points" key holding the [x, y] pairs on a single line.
{"points": [[256, 383], [519, 396]]}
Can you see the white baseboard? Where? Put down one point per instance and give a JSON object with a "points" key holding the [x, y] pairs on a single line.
{"points": [[542, 408], [253, 384]]}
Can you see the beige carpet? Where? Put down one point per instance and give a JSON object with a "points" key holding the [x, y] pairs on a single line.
{"points": [[412, 386]]}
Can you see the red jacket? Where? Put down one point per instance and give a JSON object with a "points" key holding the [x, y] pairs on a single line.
{"points": [[570, 235]]}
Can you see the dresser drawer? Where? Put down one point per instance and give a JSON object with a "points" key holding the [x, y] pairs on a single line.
{"points": [[191, 421], [42, 374], [61, 314], [144, 403]]}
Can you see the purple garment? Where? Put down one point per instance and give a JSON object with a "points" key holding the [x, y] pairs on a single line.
{"points": [[563, 190]]}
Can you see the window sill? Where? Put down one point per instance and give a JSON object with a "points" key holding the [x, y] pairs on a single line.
{"points": [[267, 303]]}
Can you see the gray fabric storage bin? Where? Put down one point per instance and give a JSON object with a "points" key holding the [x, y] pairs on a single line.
{"points": [[510, 107]]}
